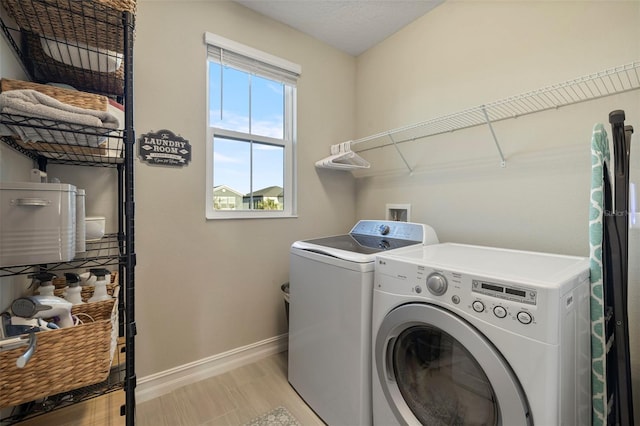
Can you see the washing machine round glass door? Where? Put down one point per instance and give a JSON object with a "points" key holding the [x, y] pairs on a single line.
{"points": [[437, 369]]}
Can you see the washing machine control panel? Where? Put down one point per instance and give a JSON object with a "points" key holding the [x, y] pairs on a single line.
{"points": [[398, 230]]}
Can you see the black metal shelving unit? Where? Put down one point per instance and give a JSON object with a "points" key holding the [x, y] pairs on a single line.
{"points": [[109, 25]]}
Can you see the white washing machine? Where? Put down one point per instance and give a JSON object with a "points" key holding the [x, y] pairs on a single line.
{"points": [[330, 293], [476, 335]]}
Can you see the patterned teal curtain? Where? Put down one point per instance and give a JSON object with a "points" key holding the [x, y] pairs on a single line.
{"points": [[599, 155]]}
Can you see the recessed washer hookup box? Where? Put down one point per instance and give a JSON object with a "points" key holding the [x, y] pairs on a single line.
{"points": [[37, 223]]}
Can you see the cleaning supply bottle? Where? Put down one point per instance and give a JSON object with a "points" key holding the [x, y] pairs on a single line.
{"points": [[103, 276], [45, 282], [73, 291], [87, 278]]}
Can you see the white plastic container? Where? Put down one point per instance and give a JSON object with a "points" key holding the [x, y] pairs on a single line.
{"points": [[80, 224], [37, 223], [95, 226]]}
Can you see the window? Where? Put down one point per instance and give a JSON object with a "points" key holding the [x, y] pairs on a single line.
{"points": [[251, 122]]}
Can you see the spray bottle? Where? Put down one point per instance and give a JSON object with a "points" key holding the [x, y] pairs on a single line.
{"points": [[73, 291], [45, 282], [87, 278], [100, 292]]}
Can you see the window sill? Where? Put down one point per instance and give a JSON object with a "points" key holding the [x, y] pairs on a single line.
{"points": [[248, 215]]}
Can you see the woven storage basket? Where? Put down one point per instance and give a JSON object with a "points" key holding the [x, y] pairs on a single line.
{"points": [[68, 96], [97, 23], [102, 82], [65, 359]]}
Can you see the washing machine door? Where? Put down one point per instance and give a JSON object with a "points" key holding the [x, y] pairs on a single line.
{"points": [[437, 369]]}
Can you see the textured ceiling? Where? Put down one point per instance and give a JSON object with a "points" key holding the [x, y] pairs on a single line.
{"points": [[351, 26]]}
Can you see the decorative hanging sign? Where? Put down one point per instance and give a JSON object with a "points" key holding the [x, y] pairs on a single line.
{"points": [[164, 148]]}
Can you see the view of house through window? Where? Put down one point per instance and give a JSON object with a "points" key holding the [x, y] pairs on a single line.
{"points": [[251, 116], [247, 175]]}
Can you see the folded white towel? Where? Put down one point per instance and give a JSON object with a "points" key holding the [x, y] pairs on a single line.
{"points": [[37, 106]]}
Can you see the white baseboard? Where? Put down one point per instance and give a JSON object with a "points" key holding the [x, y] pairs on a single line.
{"points": [[161, 383]]}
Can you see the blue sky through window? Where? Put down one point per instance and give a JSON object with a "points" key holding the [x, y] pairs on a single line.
{"points": [[249, 104]]}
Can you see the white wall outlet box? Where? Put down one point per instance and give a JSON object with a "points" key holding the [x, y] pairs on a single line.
{"points": [[398, 212]]}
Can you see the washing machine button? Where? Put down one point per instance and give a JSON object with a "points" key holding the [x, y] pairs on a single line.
{"points": [[477, 306], [500, 312], [525, 317], [418, 289], [455, 299]]}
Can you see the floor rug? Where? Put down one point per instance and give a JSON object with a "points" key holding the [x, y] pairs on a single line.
{"points": [[279, 416]]}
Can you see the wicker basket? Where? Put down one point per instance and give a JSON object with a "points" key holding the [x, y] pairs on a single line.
{"points": [[111, 83], [97, 23], [65, 359], [67, 96]]}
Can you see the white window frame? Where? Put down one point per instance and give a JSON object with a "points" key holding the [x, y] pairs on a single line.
{"points": [[288, 142]]}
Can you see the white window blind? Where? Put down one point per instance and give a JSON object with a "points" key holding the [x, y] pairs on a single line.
{"points": [[233, 54]]}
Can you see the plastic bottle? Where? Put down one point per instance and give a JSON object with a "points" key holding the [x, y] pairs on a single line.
{"points": [[87, 278], [100, 291], [45, 282], [74, 290]]}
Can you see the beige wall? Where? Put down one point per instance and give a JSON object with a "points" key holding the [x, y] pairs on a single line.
{"points": [[464, 54], [205, 287]]}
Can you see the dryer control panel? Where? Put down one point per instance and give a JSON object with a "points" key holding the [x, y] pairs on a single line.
{"points": [[507, 292], [492, 296]]}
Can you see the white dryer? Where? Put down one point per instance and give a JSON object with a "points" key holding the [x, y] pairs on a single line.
{"points": [[475, 335], [331, 290]]}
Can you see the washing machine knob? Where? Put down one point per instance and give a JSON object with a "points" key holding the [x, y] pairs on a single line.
{"points": [[384, 229], [437, 284]]}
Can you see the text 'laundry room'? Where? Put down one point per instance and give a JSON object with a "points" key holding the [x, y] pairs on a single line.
{"points": [[319, 212]]}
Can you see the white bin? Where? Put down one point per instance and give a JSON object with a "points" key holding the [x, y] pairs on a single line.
{"points": [[37, 223], [80, 224]]}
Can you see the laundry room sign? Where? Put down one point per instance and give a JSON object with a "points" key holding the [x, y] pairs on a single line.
{"points": [[164, 148]]}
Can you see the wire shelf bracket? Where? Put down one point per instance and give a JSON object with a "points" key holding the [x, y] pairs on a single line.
{"points": [[400, 154], [503, 162]]}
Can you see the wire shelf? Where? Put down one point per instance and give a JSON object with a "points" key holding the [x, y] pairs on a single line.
{"points": [[609, 82], [65, 143], [104, 252]]}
